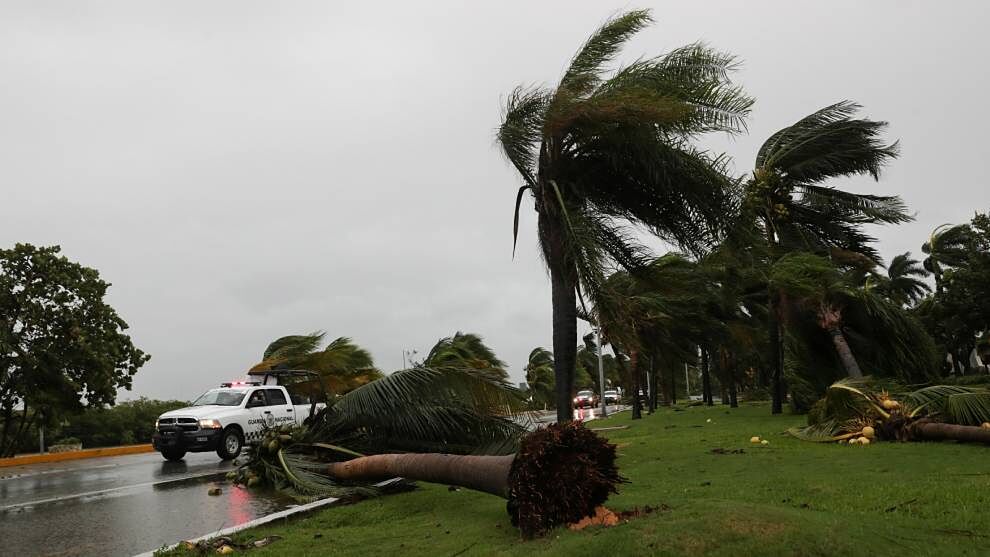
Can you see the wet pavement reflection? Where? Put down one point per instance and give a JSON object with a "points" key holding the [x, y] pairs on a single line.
{"points": [[121, 506]]}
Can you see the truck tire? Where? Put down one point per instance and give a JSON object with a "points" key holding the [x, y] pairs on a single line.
{"points": [[173, 455], [231, 443]]}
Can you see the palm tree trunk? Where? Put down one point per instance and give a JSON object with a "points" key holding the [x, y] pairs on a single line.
{"points": [[729, 361], [563, 283], [489, 474], [652, 402], [934, 431], [633, 370], [845, 353], [773, 331]]}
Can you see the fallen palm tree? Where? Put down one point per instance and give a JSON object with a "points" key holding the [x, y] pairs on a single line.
{"points": [[853, 411], [442, 425], [560, 475]]}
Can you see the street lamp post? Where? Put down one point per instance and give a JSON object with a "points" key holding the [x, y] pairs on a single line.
{"points": [[601, 371]]}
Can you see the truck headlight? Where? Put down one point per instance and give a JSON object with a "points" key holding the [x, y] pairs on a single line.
{"points": [[209, 424]]}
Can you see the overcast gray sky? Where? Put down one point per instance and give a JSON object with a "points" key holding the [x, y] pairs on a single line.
{"points": [[244, 170]]}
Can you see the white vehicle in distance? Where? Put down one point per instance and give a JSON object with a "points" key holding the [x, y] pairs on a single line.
{"points": [[611, 397], [237, 413]]}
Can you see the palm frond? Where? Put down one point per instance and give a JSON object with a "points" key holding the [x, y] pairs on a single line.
{"points": [[584, 72], [951, 403], [827, 144], [522, 129], [293, 346], [446, 409]]}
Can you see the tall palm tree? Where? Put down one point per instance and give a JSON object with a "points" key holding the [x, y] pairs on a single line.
{"points": [[946, 248], [787, 195], [468, 351], [343, 365], [602, 153], [903, 284]]}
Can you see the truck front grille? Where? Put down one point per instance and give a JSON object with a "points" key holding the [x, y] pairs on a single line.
{"points": [[184, 424]]}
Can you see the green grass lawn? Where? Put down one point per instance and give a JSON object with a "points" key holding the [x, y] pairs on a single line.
{"points": [[787, 498]]}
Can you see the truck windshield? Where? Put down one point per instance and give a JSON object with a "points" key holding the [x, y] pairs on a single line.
{"points": [[220, 398]]}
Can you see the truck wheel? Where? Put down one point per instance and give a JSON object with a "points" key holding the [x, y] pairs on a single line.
{"points": [[231, 443], [173, 455]]}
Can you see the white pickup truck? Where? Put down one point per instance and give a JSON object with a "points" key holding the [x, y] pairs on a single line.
{"points": [[226, 418]]}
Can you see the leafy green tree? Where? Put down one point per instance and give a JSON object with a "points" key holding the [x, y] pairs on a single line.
{"points": [[959, 312], [125, 423], [61, 345], [797, 211], [343, 365], [467, 350], [601, 154]]}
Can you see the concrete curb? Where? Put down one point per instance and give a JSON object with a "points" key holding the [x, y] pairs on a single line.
{"points": [[260, 521], [75, 455]]}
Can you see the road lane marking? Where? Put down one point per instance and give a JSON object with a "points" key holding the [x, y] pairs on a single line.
{"points": [[106, 491]]}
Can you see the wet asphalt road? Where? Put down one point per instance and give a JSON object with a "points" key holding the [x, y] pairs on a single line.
{"points": [[120, 505]]}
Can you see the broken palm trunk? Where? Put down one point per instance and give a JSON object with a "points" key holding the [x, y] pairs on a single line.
{"points": [[559, 475]]}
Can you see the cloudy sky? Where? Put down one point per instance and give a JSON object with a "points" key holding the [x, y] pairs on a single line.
{"points": [[244, 170]]}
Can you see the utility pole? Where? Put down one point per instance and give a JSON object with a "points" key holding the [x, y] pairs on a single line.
{"points": [[601, 371]]}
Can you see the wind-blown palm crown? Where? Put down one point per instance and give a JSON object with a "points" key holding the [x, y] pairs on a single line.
{"points": [[469, 351], [903, 284], [600, 153], [343, 364], [946, 248], [792, 164], [539, 376]]}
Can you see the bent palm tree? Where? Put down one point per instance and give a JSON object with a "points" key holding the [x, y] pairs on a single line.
{"points": [[798, 212], [343, 365], [903, 284], [599, 154], [887, 332], [815, 282], [946, 248], [466, 350], [539, 377]]}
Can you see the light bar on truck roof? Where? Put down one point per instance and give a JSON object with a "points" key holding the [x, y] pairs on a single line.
{"points": [[240, 384]]}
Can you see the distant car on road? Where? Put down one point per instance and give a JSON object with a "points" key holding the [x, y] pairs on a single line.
{"points": [[585, 399], [611, 397], [226, 418]]}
